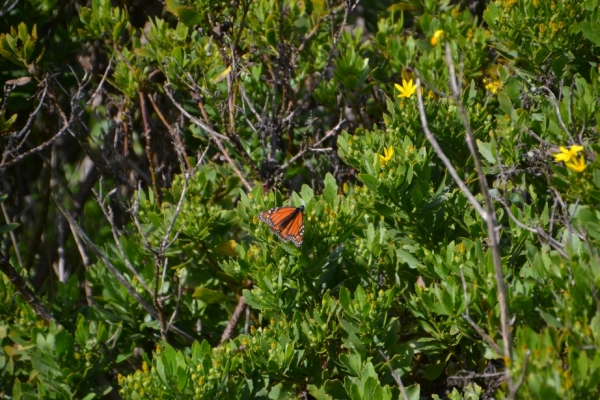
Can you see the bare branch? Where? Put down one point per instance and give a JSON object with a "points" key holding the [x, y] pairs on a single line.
{"points": [[24, 290], [132, 292], [235, 317], [12, 235], [440, 153], [556, 245], [395, 376], [40, 147], [24, 133], [149, 151], [467, 316], [8, 8], [332, 52], [521, 379], [214, 135], [554, 102], [301, 153], [101, 84], [108, 213], [179, 148], [492, 225]]}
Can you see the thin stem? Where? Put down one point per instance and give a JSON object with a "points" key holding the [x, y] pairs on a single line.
{"points": [[322, 75], [12, 236], [25, 291], [235, 317], [521, 379], [554, 102], [332, 132], [149, 152], [114, 271], [395, 376], [215, 136], [108, 213], [440, 153], [492, 225], [467, 316]]}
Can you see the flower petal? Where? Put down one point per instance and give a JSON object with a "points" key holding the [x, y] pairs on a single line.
{"points": [[576, 149]]}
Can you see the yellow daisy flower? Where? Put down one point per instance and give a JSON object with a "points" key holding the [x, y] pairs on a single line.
{"points": [[388, 153], [577, 164], [566, 155], [407, 89]]}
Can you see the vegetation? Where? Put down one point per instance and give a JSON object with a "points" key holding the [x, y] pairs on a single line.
{"points": [[446, 154]]}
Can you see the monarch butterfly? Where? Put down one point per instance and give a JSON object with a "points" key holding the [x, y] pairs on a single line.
{"points": [[285, 222]]}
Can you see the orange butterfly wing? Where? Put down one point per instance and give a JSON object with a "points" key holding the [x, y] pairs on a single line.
{"points": [[285, 222], [294, 231]]}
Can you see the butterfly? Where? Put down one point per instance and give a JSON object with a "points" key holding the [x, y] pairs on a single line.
{"points": [[285, 222]]}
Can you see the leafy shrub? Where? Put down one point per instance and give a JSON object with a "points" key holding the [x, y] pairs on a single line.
{"points": [[181, 122]]}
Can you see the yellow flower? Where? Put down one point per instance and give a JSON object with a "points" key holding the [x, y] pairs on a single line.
{"points": [[566, 155], [577, 165], [436, 37], [387, 157], [407, 89], [492, 85]]}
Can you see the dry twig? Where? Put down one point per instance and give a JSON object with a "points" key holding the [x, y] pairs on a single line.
{"points": [[492, 224], [395, 376], [114, 271]]}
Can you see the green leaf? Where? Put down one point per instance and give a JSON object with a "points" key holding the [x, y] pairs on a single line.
{"points": [[251, 300], [307, 194], [591, 31], [505, 103], [335, 389], [486, 151], [582, 364], [210, 296], [491, 14], [64, 345], [413, 392], [189, 16], [591, 5], [23, 32], [384, 210], [370, 181], [408, 258], [145, 52], [345, 299], [434, 370], [318, 393], [330, 193], [551, 320], [8, 227], [82, 333]]}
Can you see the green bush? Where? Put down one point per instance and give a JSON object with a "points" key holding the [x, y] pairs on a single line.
{"points": [[140, 145]]}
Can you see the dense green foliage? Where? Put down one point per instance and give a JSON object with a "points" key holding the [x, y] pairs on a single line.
{"points": [[165, 130]]}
